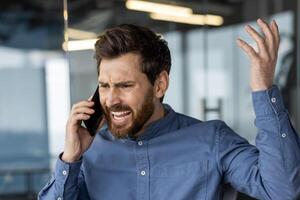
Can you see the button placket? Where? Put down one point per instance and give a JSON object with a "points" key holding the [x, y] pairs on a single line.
{"points": [[143, 173], [64, 172], [142, 170]]}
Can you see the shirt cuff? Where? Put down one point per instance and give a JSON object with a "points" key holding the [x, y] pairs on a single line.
{"points": [[268, 102], [67, 171]]}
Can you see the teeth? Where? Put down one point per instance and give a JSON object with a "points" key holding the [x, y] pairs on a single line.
{"points": [[119, 118], [119, 113]]}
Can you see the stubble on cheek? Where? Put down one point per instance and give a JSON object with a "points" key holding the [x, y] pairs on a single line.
{"points": [[137, 119]]}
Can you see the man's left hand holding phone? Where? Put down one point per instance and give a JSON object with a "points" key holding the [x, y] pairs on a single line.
{"points": [[78, 138]]}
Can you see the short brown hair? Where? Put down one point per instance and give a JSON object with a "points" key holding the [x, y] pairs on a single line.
{"points": [[152, 48]]}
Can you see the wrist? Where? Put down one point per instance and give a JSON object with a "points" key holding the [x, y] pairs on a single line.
{"points": [[256, 88], [260, 84], [70, 158]]}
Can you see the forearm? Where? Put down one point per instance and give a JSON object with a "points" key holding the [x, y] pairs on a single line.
{"points": [[271, 169], [278, 144]]}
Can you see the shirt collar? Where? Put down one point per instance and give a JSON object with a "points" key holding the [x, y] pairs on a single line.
{"points": [[160, 126]]}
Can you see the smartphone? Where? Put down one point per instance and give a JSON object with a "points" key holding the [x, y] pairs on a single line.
{"points": [[93, 122]]}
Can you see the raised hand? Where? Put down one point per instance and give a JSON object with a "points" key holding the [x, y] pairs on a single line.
{"points": [[263, 61]]}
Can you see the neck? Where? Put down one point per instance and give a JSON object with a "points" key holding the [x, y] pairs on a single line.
{"points": [[158, 113]]}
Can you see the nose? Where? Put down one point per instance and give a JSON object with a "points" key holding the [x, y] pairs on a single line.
{"points": [[113, 97]]}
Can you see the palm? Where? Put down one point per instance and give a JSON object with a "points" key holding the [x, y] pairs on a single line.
{"points": [[84, 138], [78, 139]]}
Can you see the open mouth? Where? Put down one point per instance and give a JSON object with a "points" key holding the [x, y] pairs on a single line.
{"points": [[121, 116]]}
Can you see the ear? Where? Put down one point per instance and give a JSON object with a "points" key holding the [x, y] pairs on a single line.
{"points": [[161, 84]]}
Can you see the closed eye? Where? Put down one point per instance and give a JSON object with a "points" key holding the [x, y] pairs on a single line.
{"points": [[125, 86], [122, 85]]}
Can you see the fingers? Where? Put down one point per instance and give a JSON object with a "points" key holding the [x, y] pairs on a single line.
{"points": [[83, 104], [263, 62], [269, 35], [268, 44], [260, 41], [79, 117], [81, 111], [275, 30], [247, 48]]}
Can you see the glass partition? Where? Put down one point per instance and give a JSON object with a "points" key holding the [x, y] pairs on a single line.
{"points": [[30, 45]]}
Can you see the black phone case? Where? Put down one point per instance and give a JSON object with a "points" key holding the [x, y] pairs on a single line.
{"points": [[93, 122]]}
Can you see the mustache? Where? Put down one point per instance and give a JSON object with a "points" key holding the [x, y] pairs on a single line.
{"points": [[118, 108]]}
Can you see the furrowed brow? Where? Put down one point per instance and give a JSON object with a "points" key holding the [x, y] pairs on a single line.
{"points": [[102, 83], [124, 83]]}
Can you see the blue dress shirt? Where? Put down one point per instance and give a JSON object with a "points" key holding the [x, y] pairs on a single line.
{"points": [[182, 158]]}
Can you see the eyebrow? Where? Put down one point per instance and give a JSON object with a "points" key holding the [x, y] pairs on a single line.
{"points": [[119, 83]]}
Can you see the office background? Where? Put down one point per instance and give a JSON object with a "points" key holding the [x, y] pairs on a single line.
{"points": [[47, 64]]}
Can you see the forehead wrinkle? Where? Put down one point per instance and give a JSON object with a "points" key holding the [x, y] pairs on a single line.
{"points": [[116, 76], [116, 80], [123, 68]]}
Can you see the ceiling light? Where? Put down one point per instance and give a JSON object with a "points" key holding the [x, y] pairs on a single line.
{"points": [[79, 45], [79, 34], [160, 8], [195, 19]]}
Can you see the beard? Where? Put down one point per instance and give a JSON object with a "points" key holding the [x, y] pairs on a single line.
{"points": [[138, 117]]}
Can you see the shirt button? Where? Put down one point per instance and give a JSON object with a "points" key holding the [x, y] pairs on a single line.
{"points": [[59, 198], [283, 135], [143, 173], [64, 172], [273, 100], [140, 143]]}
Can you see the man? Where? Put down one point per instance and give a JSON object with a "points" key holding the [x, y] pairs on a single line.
{"points": [[148, 151]]}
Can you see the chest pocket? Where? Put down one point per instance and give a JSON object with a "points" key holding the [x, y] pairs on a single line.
{"points": [[185, 181]]}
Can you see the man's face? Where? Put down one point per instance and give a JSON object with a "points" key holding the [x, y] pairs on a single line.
{"points": [[126, 94]]}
